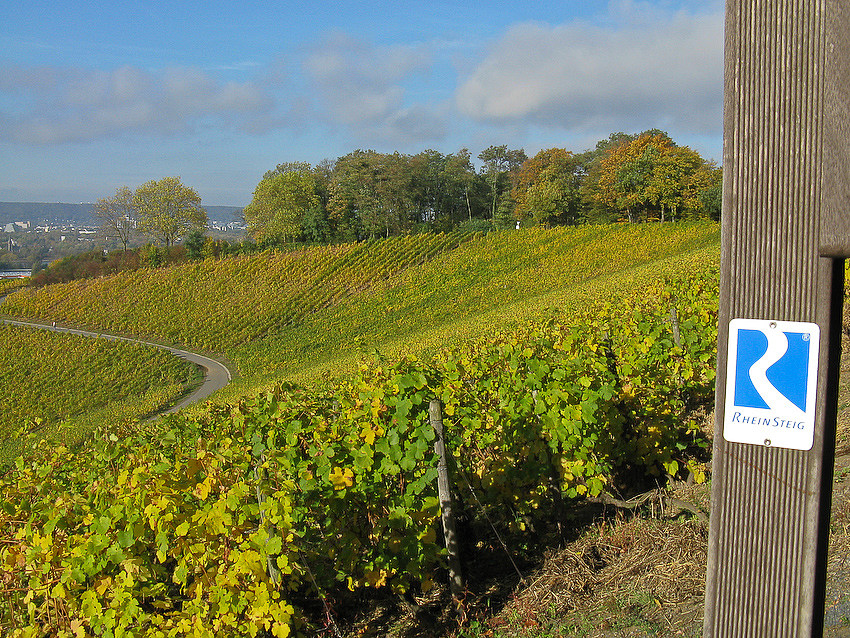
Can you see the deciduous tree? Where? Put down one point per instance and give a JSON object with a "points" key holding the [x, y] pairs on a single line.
{"points": [[354, 204], [650, 177], [374, 193], [596, 208], [117, 215], [168, 209], [281, 201], [626, 173], [546, 188], [458, 176], [711, 195], [676, 179], [499, 162]]}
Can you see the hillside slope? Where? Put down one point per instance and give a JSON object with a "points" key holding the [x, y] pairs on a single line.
{"points": [[250, 513], [481, 286], [299, 314]]}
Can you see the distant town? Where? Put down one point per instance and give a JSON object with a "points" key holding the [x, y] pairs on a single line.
{"points": [[33, 234], [44, 217]]}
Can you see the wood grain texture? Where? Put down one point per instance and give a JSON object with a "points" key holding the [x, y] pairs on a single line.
{"points": [[767, 537]]}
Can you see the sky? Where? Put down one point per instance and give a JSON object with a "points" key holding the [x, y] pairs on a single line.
{"points": [[99, 95]]}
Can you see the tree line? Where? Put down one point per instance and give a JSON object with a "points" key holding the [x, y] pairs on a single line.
{"points": [[366, 194]]}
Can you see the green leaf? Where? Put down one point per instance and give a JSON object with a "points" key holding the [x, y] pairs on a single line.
{"points": [[101, 524], [273, 546], [180, 573], [126, 537], [114, 554]]}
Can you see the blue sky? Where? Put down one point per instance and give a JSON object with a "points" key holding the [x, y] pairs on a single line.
{"points": [[97, 95]]}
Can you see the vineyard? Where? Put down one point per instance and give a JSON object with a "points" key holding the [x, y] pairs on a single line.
{"points": [[569, 363], [264, 515], [302, 314], [481, 286], [8, 285], [50, 378], [217, 304]]}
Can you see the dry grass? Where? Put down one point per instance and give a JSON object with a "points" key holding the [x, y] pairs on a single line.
{"points": [[838, 560], [621, 576]]}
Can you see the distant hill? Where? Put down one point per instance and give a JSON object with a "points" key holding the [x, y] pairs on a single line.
{"points": [[41, 212], [81, 214]]}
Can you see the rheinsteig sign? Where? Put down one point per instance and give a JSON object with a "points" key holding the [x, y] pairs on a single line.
{"points": [[771, 379], [785, 236]]}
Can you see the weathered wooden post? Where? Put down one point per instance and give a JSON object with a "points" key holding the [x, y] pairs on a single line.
{"points": [[786, 230], [435, 414]]}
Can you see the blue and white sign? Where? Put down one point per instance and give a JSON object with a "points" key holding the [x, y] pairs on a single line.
{"points": [[771, 380]]}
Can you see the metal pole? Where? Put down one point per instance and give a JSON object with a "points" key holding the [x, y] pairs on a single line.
{"points": [[783, 193]]}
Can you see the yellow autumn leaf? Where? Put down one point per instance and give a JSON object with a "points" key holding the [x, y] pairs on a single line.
{"points": [[280, 630], [376, 577], [78, 628], [102, 585], [341, 478], [202, 490]]}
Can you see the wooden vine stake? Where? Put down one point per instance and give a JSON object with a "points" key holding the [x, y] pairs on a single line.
{"points": [[455, 578]]}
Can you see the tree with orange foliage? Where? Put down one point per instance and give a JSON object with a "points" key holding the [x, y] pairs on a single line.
{"points": [[648, 177], [627, 172], [546, 188]]}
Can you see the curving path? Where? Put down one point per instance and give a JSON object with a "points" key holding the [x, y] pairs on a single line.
{"points": [[216, 374]]}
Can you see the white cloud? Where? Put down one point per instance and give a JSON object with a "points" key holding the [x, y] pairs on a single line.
{"points": [[644, 69], [70, 105], [18, 79], [362, 87]]}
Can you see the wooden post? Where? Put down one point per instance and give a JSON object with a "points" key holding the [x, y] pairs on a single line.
{"points": [[274, 572], [674, 324], [785, 209], [444, 491]]}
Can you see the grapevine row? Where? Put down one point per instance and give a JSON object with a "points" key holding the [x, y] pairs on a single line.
{"points": [[214, 305], [217, 524], [510, 275], [49, 377]]}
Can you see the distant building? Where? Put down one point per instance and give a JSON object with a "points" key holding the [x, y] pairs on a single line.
{"points": [[14, 227]]}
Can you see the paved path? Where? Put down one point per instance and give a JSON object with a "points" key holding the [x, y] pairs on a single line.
{"points": [[216, 375]]}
